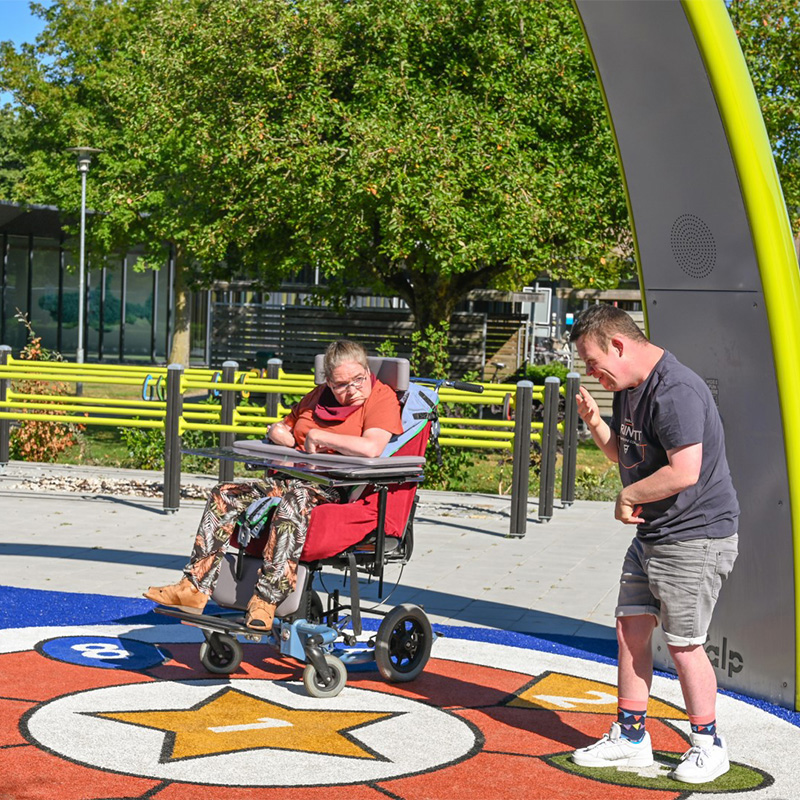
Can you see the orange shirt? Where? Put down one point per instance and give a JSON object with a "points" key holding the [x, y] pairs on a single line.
{"points": [[380, 410]]}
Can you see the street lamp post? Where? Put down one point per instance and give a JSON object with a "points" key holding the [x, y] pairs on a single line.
{"points": [[84, 155]]}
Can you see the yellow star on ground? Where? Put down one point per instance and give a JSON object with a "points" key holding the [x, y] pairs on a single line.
{"points": [[231, 720]]}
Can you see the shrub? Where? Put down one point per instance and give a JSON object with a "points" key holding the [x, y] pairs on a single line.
{"points": [[387, 349], [429, 351], [452, 474], [36, 440], [536, 373], [597, 484], [146, 448]]}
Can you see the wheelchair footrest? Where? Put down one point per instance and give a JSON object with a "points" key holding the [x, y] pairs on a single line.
{"points": [[229, 623]]}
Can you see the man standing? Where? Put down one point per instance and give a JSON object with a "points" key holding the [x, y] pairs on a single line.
{"points": [[666, 435]]}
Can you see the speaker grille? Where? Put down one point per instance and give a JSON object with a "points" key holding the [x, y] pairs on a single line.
{"points": [[693, 246]]}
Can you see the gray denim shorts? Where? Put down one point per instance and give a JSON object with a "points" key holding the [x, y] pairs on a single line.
{"points": [[677, 583]]}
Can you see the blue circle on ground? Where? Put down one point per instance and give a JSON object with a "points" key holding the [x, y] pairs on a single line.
{"points": [[104, 652]]}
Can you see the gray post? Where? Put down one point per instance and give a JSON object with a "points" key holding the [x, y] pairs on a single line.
{"points": [[570, 440], [522, 459], [547, 471], [228, 399], [5, 424], [172, 440], [273, 370]]}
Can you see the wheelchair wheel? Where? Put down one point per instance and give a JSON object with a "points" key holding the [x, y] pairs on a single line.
{"points": [[403, 643], [316, 687], [228, 657]]}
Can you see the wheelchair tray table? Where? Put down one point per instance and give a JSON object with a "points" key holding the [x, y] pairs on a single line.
{"points": [[326, 468]]}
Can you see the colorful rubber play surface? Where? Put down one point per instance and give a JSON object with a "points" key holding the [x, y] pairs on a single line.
{"points": [[114, 703]]}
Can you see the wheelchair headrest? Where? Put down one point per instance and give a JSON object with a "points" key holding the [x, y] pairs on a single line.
{"points": [[394, 372]]}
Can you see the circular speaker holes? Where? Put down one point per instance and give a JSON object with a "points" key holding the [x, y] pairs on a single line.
{"points": [[693, 246]]}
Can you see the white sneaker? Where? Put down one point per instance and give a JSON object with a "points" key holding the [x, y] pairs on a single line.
{"points": [[613, 750], [703, 762]]}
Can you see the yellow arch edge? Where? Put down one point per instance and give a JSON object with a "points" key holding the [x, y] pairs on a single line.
{"points": [[770, 229]]}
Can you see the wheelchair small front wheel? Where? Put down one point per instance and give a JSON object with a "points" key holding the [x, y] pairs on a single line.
{"points": [[317, 687], [403, 643], [222, 656]]}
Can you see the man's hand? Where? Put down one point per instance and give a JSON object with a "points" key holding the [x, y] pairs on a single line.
{"points": [[587, 408], [626, 512], [602, 434]]}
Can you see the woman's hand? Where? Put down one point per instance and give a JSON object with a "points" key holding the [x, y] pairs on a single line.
{"points": [[370, 444], [279, 433], [314, 443]]}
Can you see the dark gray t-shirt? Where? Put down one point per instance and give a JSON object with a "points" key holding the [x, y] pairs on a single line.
{"points": [[672, 408]]}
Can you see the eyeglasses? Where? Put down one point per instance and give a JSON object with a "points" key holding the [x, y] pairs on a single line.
{"points": [[356, 383]]}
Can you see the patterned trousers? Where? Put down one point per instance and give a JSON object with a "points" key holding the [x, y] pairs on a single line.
{"points": [[286, 535]]}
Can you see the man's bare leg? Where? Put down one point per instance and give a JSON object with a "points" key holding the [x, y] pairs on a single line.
{"points": [[698, 680], [635, 670]]}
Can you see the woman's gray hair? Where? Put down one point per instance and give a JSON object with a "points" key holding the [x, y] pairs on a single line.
{"points": [[341, 352]]}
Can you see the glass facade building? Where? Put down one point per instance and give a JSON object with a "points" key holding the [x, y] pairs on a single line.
{"points": [[128, 310]]}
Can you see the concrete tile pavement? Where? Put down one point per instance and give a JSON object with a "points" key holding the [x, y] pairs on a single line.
{"points": [[559, 579]]}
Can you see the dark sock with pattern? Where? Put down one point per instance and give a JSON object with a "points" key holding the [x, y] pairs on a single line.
{"points": [[631, 723], [707, 729]]}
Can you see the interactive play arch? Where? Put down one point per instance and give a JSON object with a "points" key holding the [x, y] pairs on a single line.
{"points": [[721, 290]]}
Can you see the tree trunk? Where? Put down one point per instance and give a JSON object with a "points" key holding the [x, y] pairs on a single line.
{"points": [[434, 297], [432, 304], [180, 349]]}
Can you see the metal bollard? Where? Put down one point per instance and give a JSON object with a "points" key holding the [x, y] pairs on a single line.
{"points": [[228, 399], [570, 439], [273, 372], [172, 440], [522, 459], [547, 471], [5, 424]]}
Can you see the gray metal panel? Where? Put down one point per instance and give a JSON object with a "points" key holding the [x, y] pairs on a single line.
{"points": [[690, 223], [723, 336], [703, 291]]}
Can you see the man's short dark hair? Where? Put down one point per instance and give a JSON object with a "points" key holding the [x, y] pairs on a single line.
{"points": [[601, 322]]}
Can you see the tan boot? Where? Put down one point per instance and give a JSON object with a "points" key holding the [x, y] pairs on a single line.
{"points": [[260, 614], [183, 595]]}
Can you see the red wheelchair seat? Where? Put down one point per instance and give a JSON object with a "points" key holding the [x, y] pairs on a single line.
{"points": [[336, 526]]}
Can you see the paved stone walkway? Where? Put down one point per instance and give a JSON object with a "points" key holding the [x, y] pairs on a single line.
{"points": [[560, 578]]}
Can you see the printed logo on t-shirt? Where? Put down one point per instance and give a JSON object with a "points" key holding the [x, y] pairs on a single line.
{"points": [[631, 448]]}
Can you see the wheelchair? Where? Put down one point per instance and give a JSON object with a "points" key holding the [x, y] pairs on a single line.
{"points": [[361, 537]]}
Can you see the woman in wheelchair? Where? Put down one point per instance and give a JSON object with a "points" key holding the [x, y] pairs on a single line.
{"points": [[351, 413]]}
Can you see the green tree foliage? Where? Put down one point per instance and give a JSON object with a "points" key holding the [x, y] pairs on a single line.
{"points": [[417, 147], [425, 148], [11, 147], [64, 89], [769, 34], [422, 148]]}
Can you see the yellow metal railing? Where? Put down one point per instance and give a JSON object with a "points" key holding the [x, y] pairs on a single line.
{"points": [[152, 411]]}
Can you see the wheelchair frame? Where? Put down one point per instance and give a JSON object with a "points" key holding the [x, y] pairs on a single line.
{"points": [[303, 629]]}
